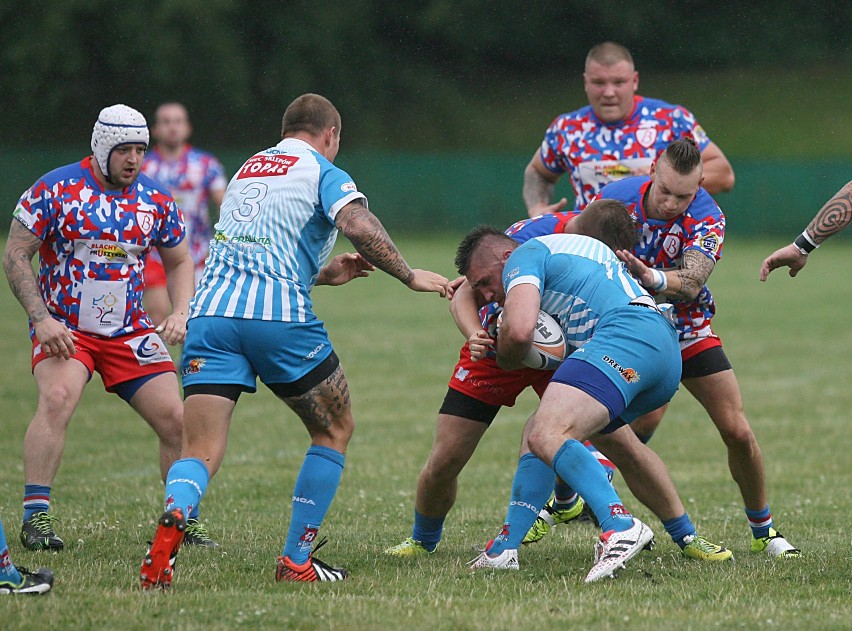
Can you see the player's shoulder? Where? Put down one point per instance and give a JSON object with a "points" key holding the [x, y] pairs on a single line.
{"points": [[200, 155], [704, 207], [658, 108], [573, 118], [73, 171], [150, 186]]}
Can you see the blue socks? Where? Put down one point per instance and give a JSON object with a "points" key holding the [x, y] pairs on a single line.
{"points": [[579, 468], [427, 530], [36, 499], [564, 497], [680, 528], [760, 522], [8, 572], [530, 491], [186, 484], [315, 489]]}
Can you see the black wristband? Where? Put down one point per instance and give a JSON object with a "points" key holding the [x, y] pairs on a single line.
{"points": [[804, 244]]}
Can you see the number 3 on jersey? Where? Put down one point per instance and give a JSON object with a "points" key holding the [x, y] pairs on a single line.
{"points": [[252, 195]]}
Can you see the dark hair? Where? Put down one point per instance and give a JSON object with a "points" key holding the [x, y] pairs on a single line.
{"points": [[609, 221], [683, 155], [309, 113], [471, 242], [608, 54]]}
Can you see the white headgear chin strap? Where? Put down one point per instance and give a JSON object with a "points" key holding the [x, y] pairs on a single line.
{"points": [[117, 125]]}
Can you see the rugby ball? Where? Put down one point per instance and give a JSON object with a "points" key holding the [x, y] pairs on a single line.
{"points": [[548, 348]]}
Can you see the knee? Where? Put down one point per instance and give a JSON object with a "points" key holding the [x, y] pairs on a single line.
{"points": [[736, 432], [57, 402]]}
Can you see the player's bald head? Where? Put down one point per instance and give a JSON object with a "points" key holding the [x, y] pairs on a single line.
{"points": [[609, 54]]}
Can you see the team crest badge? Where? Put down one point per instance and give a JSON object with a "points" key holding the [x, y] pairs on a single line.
{"points": [[145, 220], [646, 136]]}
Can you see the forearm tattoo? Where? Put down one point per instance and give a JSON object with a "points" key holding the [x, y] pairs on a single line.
{"points": [[537, 190], [17, 263], [370, 238], [833, 217], [693, 275], [320, 406]]}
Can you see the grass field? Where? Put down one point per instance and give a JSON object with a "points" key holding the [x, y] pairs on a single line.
{"points": [[789, 340]]}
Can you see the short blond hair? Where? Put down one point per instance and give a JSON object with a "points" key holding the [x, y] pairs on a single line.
{"points": [[608, 54]]}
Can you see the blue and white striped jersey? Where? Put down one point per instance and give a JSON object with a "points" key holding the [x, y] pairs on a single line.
{"points": [[275, 231], [580, 279]]}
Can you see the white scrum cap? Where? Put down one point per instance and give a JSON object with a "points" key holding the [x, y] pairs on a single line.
{"points": [[117, 125]]}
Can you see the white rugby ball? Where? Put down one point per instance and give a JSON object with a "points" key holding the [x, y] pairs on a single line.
{"points": [[548, 348]]}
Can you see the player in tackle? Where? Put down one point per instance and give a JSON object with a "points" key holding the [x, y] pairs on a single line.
{"points": [[252, 317], [479, 387], [626, 363]]}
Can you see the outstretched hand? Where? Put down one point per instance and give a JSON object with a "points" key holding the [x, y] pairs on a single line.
{"points": [[789, 256], [424, 280], [637, 268], [343, 268]]}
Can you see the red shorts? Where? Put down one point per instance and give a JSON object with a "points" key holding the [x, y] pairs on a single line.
{"points": [[155, 273], [691, 348], [485, 381], [118, 359]]}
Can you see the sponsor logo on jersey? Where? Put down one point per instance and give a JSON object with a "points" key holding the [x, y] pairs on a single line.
{"points": [[616, 170], [149, 349], [349, 187], [462, 373], [194, 366], [709, 242], [646, 136], [266, 166], [629, 374], [20, 216], [145, 220], [108, 251], [512, 273]]}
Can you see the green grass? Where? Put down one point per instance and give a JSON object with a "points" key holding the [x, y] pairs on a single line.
{"points": [[789, 341]]}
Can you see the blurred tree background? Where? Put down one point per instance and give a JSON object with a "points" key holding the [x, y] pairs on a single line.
{"points": [[424, 86]]}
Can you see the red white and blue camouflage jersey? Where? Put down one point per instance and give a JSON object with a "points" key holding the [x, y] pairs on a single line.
{"points": [[95, 243], [595, 153], [190, 179], [662, 244]]}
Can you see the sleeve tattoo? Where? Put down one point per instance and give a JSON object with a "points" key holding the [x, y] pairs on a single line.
{"points": [[537, 190], [21, 246], [693, 275], [371, 240], [833, 217]]}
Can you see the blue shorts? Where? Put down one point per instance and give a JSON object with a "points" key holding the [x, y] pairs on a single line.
{"points": [[631, 364], [237, 351]]}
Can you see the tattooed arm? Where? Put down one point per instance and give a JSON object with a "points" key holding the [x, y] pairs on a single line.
{"points": [[831, 219], [684, 283], [539, 184], [370, 238], [55, 337]]}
